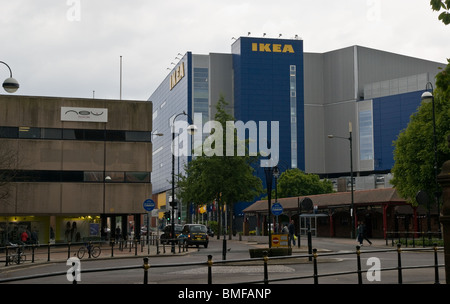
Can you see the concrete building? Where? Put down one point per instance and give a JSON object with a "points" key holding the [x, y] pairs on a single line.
{"points": [[73, 167], [310, 95]]}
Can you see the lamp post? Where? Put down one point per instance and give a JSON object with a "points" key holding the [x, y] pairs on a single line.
{"points": [[10, 84], [426, 97], [269, 174], [191, 129], [352, 204]]}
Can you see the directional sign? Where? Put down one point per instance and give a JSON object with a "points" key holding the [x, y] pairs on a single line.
{"points": [[277, 209], [149, 204]]}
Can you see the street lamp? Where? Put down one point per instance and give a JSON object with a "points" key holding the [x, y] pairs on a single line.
{"points": [[426, 97], [191, 129], [10, 84], [352, 204]]}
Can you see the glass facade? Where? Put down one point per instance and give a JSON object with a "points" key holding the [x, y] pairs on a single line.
{"points": [[293, 94], [365, 135], [201, 92]]}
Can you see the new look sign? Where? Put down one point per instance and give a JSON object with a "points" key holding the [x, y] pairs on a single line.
{"points": [[84, 114]]}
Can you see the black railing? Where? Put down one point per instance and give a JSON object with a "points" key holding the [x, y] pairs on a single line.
{"points": [[411, 238], [315, 276], [21, 253]]}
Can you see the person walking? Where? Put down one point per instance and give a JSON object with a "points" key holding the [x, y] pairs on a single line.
{"points": [[365, 233], [360, 233], [291, 229]]}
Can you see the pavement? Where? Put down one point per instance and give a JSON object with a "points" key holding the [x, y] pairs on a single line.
{"points": [[61, 253]]}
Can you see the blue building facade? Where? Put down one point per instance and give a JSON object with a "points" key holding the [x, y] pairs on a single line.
{"points": [[268, 86], [309, 95]]}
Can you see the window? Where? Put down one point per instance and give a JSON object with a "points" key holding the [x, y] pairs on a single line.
{"points": [[28, 132], [74, 134], [366, 135], [9, 132], [51, 133], [293, 114]]}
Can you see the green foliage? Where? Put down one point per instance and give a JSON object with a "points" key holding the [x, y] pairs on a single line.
{"points": [[414, 148], [225, 179], [294, 182], [437, 5]]}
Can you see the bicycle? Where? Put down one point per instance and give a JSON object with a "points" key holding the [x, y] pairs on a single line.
{"points": [[18, 256], [93, 251]]}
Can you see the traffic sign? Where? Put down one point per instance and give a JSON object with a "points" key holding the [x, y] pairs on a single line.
{"points": [[149, 204], [277, 209]]}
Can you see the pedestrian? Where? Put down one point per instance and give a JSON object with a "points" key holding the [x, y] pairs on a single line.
{"points": [[291, 229], [24, 237], [365, 233], [359, 234]]}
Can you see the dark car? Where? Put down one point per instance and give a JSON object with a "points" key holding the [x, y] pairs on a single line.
{"points": [[195, 234], [167, 233]]}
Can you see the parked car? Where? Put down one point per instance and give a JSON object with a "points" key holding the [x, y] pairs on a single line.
{"points": [[167, 233], [194, 234]]}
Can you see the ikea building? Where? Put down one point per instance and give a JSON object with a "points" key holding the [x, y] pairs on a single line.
{"points": [[309, 96]]}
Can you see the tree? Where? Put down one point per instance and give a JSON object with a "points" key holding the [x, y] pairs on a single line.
{"points": [[437, 5], [414, 148], [294, 182], [220, 177]]}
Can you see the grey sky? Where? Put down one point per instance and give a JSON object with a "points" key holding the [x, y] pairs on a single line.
{"points": [[70, 48]]}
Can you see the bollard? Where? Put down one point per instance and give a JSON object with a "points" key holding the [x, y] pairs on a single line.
{"points": [[210, 263], [135, 246], [400, 277], [358, 262], [266, 272], [146, 267], [112, 248], [89, 249], [74, 274], [68, 250], [436, 265], [6, 256], [224, 249], [48, 252], [32, 252], [316, 275]]}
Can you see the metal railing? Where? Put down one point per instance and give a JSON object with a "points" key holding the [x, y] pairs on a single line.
{"points": [[21, 253], [264, 261], [413, 238]]}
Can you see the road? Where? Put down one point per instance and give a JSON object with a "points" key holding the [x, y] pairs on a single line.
{"points": [[328, 262]]}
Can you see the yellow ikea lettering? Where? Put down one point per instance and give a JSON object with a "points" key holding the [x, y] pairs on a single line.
{"points": [[269, 48], [177, 75]]}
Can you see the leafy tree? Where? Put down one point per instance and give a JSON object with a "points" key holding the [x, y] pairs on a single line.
{"points": [[294, 182], [414, 148], [437, 5], [220, 177]]}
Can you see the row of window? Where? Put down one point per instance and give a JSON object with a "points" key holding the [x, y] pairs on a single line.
{"points": [[293, 107], [74, 134], [79, 176]]}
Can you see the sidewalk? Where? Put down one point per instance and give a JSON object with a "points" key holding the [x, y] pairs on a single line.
{"points": [[61, 253]]}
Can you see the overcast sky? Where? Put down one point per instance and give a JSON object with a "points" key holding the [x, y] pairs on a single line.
{"points": [[71, 48]]}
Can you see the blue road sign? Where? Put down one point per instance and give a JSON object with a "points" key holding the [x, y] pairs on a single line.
{"points": [[149, 204], [277, 209]]}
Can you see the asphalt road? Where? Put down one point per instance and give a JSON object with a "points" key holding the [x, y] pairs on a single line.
{"points": [[334, 255]]}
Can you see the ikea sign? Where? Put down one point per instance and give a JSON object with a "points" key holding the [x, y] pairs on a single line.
{"points": [[177, 75], [272, 48]]}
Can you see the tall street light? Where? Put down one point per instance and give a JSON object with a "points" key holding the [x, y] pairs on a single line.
{"points": [[10, 84], [269, 176], [191, 129], [352, 204], [427, 96]]}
